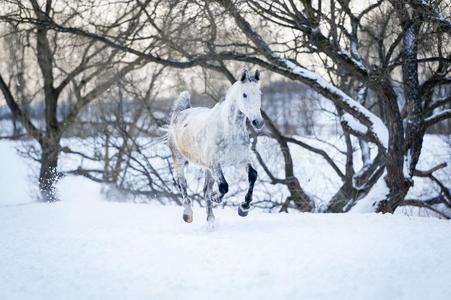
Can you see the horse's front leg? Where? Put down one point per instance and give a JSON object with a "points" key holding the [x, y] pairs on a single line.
{"points": [[221, 187], [243, 209]]}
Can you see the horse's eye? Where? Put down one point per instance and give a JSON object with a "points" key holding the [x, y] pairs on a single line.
{"points": [[244, 95]]}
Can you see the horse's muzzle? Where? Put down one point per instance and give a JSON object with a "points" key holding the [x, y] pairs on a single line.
{"points": [[258, 124]]}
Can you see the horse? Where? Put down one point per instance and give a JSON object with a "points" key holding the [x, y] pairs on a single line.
{"points": [[214, 138]]}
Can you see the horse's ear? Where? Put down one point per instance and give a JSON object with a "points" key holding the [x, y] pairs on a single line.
{"points": [[257, 75], [244, 76]]}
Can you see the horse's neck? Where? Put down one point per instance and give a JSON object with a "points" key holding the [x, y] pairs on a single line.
{"points": [[235, 120]]}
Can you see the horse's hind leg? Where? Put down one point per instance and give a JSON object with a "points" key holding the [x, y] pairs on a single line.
{"points": [[243, 209], [208, 185], [179, 163]]}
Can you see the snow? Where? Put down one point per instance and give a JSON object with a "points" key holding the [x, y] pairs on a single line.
{"points": [[354, 123], [438, 114], [355, 57], [407, 163], [13, 176], [377, 193], [358, 174], [356, 54], [85, 247]]}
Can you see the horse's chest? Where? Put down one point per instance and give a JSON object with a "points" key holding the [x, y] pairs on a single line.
{"points": [[233, 148], [232, 140]]}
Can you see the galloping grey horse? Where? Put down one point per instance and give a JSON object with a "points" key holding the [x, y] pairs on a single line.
{"points": [[213, 138]]}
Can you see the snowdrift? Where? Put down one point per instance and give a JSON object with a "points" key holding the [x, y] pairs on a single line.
{"points": [[85, 247]]}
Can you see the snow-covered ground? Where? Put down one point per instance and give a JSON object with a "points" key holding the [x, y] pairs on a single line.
{"points": [[84, 247]]}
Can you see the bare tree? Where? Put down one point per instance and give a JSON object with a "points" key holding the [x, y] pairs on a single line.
{"points": [[89, 70], [405, 127]]}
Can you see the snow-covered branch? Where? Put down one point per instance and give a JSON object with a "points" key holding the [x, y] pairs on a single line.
{"points": [[376, 128], [438, 117]]}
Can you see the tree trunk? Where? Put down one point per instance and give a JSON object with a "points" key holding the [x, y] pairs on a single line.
{"points": [[342, 198], [405, 145], [348, 195], [394, 159], [300, 199], [16, 129], [48, 175]]}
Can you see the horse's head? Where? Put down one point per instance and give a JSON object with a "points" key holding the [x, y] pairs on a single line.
{"points": [[249, 98]]}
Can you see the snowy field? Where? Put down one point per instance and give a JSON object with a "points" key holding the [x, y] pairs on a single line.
{"points": [[84, 247]]}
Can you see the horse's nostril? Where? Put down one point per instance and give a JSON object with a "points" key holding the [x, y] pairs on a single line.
{"points": [[257, 124]]}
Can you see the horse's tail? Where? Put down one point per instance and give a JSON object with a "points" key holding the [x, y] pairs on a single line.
{"points": [[183, 102]]}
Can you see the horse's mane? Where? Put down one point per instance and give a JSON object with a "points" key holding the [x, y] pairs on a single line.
{"points": [[230, 90]]}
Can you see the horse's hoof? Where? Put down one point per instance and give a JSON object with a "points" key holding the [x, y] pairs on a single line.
{"points": [[216, 197], [211, 222], [243, 212], [211, 219], [188, 218]]}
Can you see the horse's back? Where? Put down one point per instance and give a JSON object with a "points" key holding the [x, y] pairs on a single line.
{"points": [[189, 134], [194, 113]]}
